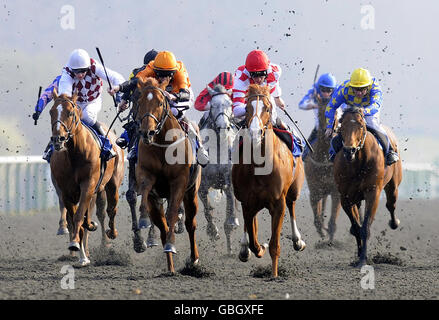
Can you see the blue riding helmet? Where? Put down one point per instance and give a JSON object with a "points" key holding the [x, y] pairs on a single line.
{"points": [[327, 80]]}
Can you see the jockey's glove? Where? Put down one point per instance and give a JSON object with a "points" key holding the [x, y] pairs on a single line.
{"points": [[183, 95], [36, 115]]}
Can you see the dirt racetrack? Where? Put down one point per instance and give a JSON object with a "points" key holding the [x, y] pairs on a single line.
{"points": [[405, 261]]}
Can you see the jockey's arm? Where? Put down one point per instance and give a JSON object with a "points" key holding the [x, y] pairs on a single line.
{"points": [[45, 98], [309, 102], [279, 102], [376, 100], [331, 109]]}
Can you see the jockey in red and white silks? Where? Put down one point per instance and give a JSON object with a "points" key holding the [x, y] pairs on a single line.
{"points": [[257, 70], [83, 76]]}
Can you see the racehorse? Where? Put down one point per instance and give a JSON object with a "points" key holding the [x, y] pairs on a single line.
{"points": [[320, 178], [76, 168], [273, 189], [217, 174], [166, 168], [360, 174]]}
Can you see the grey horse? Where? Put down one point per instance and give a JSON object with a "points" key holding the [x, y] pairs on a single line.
{"points": [[217, 125]]}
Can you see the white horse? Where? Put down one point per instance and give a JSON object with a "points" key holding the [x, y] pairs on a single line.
{"points": [[217, 174]]}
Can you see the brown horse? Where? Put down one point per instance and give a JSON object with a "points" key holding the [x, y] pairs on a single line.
{"points": [[75, 166], [166, 168], [265, 176], [361, 174], [320, 179]]}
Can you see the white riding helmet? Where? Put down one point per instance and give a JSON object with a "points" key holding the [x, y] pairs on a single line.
{"points": [[79, 59]]}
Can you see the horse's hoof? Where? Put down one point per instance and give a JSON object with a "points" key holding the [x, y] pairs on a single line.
{"points": [[212, 232], [232, 221], [144, 223], [151, 243], [111, 234], [299, 245], [262, 250], [62, 231], [139, 244], [179, 227], [169, 247], [83, 263], [92, 227], [244, 254], [74, 246], [394, 224]]}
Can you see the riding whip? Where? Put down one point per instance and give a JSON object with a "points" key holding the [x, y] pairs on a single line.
{"points": [[315, 77], [109, 84], [39, 95], [306, 140]]}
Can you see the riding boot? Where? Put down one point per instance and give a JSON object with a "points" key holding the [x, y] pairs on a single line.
{"points": [[335, 146], [107, 153], [47, 154], [390, 154], [123, 140], [202, 154]]}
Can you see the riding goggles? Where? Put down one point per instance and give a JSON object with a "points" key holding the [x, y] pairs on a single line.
{"points": [[82, 70], [359, 89], [326, 89], [255, 74], [164, 73]]}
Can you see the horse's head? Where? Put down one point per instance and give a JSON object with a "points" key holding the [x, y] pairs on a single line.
{"points": [[220, 107], [65, 117], [259, 109], [153, 108], [353, 131]]}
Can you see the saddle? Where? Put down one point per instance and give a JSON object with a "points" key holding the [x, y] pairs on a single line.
{"points": [[294, 144]]}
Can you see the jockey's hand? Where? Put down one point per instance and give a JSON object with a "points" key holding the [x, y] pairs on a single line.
{"points": [[122, 106], [170, 96], [36, 115], [113, 90], [328, 133]]}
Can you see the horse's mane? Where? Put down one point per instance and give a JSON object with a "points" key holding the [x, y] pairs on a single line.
{"points": [[351, 109], [257, 89], [219, 88]]}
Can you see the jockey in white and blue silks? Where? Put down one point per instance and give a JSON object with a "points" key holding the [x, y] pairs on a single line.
{"points": [[319, 95], [83, 76], [361, 91], [45, 98]]}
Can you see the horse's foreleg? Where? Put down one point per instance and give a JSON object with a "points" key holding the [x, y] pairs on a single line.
{"points": [[298, 243], [352, 213], [211, 229], [78, 217], [101, 201], [231, 221], [391, 196], [251, 225], [277, 216], [62, 229], [335, 209], [112, 193], [190, 208], [70, 210], [371, 199], [316, 206], [83, 259]]}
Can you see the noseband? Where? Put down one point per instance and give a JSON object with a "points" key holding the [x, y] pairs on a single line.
{"points": [[70, 130], [219, 114], [161, 122]]}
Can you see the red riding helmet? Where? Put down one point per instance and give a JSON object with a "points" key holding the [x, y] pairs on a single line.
{"points": [[256, 60]]}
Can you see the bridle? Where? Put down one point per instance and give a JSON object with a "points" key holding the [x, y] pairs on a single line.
{"points": [[360, 145], [212, 119], [255, 113], [148, 136], [74, 124]]}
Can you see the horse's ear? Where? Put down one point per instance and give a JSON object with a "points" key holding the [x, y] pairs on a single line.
{"points": [[55, 94], [210, 90], [140, 84]]}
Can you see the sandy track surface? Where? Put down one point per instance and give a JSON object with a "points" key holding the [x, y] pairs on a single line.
{"points": [[405, 261]]}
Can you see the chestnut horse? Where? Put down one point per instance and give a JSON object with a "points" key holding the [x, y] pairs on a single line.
{"points": [[76, 166], [273, 182], [361, 174], [166, 168], [320, 178]]}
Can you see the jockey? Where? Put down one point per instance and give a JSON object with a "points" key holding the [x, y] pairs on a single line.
{"points": [[127, 88], [83, 76], [165, 66], [360, 91], [319, 95], [45, 98], [202, 103], [259, 70]]}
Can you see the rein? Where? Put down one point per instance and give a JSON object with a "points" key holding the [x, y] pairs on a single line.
{"points": [[73, 127], [255, 114], [362, 141]]}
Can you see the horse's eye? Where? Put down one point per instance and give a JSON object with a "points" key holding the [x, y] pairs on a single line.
{"points": [[70, 113]]}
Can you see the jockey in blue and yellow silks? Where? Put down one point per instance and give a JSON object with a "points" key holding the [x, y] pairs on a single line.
{"points": [[361, 91]]}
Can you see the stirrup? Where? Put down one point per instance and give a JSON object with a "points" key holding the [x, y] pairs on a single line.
{"points": [[391, 158]]}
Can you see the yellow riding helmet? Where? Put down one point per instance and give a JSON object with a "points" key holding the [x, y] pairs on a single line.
{"points": [[165, 60], [360, 78]]}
